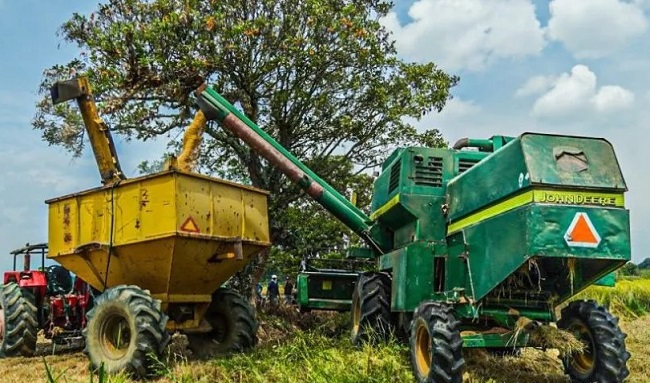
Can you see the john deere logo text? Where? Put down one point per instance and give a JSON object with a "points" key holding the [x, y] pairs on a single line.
{"points": [[576, 199]]}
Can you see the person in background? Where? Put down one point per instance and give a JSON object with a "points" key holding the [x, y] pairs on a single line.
{"points": [[272, 291], [288, 291], [258, 295]]}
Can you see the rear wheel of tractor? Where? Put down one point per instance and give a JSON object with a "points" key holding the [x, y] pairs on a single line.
{"points": [[605, 356], [126, 332], [436, 346], [18, 321], [234, 326], [371, 316]]}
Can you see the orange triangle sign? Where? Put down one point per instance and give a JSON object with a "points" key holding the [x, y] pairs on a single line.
{"points": [[190, 226], [581, 232]]}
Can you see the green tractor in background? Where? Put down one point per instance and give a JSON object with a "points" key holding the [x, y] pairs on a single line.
{"points": [[472, 238], [328, 284]]}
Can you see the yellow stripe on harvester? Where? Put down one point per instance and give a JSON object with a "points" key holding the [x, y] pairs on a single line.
{"points": [[393, 201], [558, 197]]}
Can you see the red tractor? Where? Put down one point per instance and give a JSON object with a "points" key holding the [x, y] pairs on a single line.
{"points": [[47, 299]]}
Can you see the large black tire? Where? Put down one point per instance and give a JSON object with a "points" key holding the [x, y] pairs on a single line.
{"points": [[371, 316], [126, 332], [605, 357], [436, 346], [234, 326], [19, 323]]}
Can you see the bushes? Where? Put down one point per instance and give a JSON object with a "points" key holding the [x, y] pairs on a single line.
{"points": [[629, 269]]}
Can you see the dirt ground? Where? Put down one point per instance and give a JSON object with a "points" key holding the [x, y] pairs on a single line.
{"points": [[532, 366]]}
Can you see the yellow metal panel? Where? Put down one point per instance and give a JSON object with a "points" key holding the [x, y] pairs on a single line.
{"points": [[140, 221], [222, 209], [256, 217]]}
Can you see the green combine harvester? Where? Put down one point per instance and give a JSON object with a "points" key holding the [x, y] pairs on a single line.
{"points": [[471, 239]]}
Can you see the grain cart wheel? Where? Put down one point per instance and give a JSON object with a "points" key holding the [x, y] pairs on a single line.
{"points": [[234, 326], [371, 317], [605, 356], [18, 323], [436, 346], [125, 331]]}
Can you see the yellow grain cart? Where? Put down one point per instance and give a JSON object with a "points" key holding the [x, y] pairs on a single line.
{"points": [[160, 247]]}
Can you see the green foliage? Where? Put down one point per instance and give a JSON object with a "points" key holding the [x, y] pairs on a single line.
{"points": [[315, 357], [282, 263], [102, 376], [629, 269], [51, 377], [322, 77]]}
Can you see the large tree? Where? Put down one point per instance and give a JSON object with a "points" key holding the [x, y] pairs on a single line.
{"points": [[321, 76]]}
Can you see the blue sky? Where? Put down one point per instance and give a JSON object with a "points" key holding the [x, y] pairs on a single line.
{"points": [[31, 170], [565, 66]]}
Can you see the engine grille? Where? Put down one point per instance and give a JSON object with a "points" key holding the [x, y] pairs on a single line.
{"points": [[464, 164], [394, 176], [429, 172]]}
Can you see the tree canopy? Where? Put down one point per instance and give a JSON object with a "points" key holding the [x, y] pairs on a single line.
{"points": [[321, 76]]}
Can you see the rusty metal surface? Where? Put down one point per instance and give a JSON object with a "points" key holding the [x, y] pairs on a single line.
{"points": [[262, 147]]}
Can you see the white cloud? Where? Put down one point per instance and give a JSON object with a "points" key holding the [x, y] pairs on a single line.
{"points": [[642, 3], [576, 93], [612, 98], [457, 107], [468, 34], [595, 28], [535, 85]]}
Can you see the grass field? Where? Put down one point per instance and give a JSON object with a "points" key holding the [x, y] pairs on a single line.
{"points": [[630, 298], [315, 348]]}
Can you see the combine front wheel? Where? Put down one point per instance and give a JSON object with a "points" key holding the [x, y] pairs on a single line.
{"points": [[371, 317], [126, 328], [605, 357], [18, 323], [436, 345], [234, 327]]}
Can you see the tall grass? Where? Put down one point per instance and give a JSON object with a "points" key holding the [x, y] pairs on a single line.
{"points": [[629, 298], [316, 348], [313, 357]]}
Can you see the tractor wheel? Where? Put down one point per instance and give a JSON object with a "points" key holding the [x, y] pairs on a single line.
{"points": [[371, 316], [18, 321], [436, 346], [125, 331], [605, 356], [234, 326]]}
